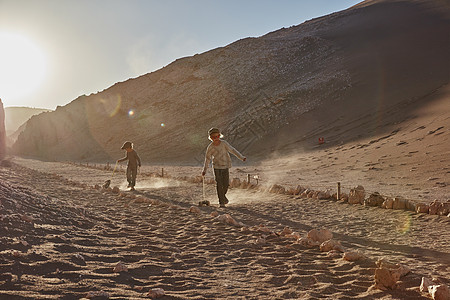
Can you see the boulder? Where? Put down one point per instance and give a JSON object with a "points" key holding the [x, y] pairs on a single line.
{"points": [[434, 207], [384, 263], [400, 271], [227, 219], [411, 206], [97, 295], [387, 274], [285, 231], [384, 279], [324, 195], [353, 255], [375, 199], [422, 208], [439, 292], [444, 209], [260, 241], [388, 203], [120, 267], [277, 189], [308, 242], [290, 191], [78, 259], [315, 195], [320, 236], [331, 245], [399, 203], [156, 293], [304, 194], [356, 195], [194, 210], [298, 190]]}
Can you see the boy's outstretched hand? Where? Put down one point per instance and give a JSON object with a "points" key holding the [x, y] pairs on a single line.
{"points": [[245, 158], [203, 173]]}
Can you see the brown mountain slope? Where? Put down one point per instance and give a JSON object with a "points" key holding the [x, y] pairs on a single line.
{"points": [[15, 118], [337, 76]]}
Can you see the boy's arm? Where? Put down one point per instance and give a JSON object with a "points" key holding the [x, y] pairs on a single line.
{"points": [[123, 159], [207, 160], [236, 153]]}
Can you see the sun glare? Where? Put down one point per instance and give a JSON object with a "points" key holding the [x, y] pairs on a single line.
{"points": [[22, 67]]}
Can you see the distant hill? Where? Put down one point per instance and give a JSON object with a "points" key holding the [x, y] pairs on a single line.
{"points": [[343, 76], [17, 116], [15, 119]]}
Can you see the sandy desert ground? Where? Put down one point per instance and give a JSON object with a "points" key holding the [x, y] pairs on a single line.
{"points": [[62, 239]]}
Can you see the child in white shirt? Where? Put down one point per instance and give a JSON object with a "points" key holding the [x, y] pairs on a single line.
{"points": [[218, 152]]}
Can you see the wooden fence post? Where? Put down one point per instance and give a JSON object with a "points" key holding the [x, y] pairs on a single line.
{"points": [[338, 196]]}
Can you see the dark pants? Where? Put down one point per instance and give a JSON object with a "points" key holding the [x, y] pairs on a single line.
{"points": [[222, 177], [131, 175]]}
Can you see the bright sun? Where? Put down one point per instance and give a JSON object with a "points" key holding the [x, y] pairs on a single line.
{"points": [[22, 67]]}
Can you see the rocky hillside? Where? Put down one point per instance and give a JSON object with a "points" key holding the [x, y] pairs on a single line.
{"points": [[15, 119], [336, 77], [17, 116]]}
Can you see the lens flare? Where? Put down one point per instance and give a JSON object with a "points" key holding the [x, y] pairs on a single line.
{"points": [[109, 106], [116, 109], [163, 125], [131, 113], [405, 226]]}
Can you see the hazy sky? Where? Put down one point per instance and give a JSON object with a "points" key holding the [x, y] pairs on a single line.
{"points": [[52, 51]]}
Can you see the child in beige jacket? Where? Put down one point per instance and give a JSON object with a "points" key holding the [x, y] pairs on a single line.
{"points": [[218, 152]]}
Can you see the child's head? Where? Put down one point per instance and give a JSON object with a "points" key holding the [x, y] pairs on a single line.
{"points": [[214, 133], [127, 145]]}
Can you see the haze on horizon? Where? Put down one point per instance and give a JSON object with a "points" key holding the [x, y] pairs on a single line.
{"points": [[52, 51]]}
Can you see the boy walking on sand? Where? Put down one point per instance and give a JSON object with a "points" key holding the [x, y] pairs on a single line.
{"points": [[133, 162], [218, 152]]}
